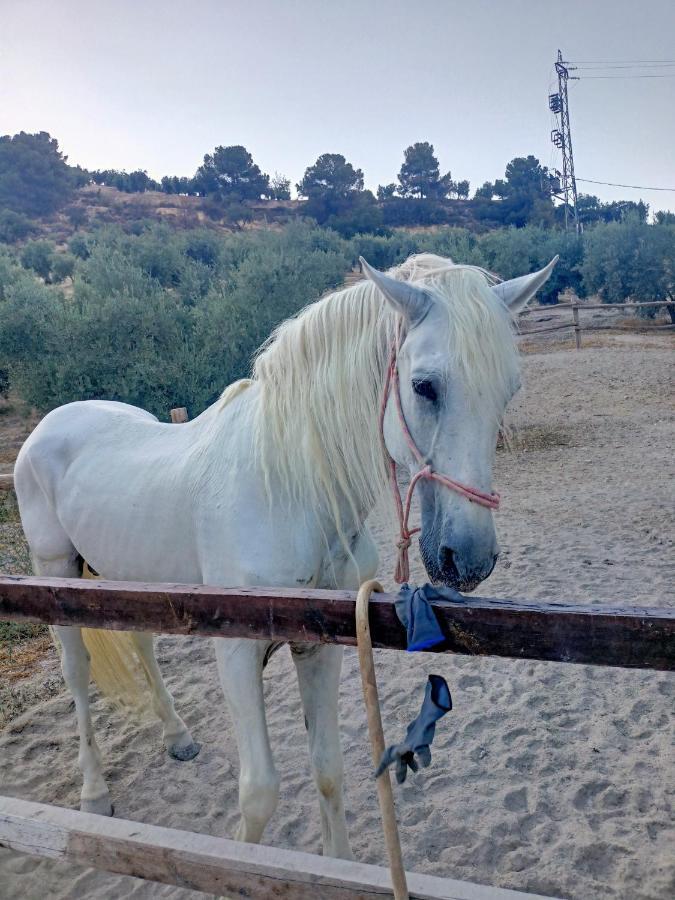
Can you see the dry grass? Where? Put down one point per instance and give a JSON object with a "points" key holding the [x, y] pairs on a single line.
{"points": [[16, 423], [21, 649]]}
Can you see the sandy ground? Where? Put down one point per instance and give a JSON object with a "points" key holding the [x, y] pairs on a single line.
{"points": [[549, 778]]}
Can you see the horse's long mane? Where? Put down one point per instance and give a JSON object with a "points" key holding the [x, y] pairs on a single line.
{"points": [[321, 376]]}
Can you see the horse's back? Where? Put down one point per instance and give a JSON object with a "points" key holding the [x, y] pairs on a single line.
{"points": [[50, 449], [97, 471]]}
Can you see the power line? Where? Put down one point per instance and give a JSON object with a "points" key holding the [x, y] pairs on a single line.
{"points": [[601, 62], [598, 68], [637, 187], [586, 77]]}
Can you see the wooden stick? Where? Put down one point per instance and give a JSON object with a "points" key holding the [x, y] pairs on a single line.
{"points": [[385, 794], [213, 865], [629, 636], [577, 329]]}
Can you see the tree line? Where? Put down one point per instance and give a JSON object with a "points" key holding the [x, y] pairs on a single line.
{"points": [[36, 180]]}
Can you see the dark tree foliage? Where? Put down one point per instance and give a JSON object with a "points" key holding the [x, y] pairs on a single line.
{"points": [[35, 178], [462, 189], [63, 266], [420, 175], [38, 256], [79, 245], [136, 182], [331, 180], [14, 226], [591, 210], [175, 184], [336, 198], [386, 192], [522, 197], [280, 187], [229, 173], [485, 192]]}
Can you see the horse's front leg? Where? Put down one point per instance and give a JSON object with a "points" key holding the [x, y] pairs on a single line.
{"points": [[240, 666], [318, 667]]}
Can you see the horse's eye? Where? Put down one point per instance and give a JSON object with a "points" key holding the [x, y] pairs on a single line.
{"points": [[424, 389]]}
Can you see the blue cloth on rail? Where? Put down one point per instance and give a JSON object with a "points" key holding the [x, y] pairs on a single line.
{"points": [[417, 616]]}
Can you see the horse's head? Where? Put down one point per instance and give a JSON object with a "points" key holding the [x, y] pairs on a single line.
{"points": [[457, 370]]}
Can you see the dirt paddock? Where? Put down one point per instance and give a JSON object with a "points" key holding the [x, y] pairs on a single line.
{"points": [[546, 777]]}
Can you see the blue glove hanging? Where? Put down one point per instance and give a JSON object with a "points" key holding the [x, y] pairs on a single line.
{"points": [[417, 742]]}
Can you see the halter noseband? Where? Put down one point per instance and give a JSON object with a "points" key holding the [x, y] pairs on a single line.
{"points": [[489, 501]]}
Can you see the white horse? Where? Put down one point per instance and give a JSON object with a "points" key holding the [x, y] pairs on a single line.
{"points": [[272, 485]]}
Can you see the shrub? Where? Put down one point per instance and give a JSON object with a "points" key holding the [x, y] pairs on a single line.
{"points": [[79, 246], [151, 324], [629, 260], [14, 226], [38, 256], [63, 265]]}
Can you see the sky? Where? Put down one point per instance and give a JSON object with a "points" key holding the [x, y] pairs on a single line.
{"points": [[156, 84]]}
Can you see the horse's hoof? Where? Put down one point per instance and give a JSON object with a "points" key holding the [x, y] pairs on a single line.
{"points": [[185, 753], [100, 805]]}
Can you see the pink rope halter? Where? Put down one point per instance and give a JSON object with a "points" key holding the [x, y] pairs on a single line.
{"points": [[490, 501]]}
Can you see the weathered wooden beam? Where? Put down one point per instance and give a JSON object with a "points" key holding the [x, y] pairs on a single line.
{"points": [[634, 637], [548, 328], [209, 864]]}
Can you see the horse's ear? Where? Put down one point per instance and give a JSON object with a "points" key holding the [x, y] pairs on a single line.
{"points": [[517, 292], [409, 300]]}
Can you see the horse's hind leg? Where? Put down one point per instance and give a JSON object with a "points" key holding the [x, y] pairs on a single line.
{"points": [[75, 666], [177, 739]]}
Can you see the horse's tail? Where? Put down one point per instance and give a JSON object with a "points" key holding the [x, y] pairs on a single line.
{"points": [[116, 668], [115, 665]]}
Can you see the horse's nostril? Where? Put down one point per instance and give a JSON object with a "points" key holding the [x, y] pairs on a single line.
{"points": [[447, 560]]}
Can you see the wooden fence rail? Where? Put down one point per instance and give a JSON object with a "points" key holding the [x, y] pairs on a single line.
{"points": [[632, 637], [213, 865], [575, 308]]}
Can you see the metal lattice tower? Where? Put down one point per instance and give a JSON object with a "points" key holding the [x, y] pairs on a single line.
{"points": [[561, 136]]}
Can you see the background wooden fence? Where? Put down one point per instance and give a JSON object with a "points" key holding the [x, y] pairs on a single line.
{"points": [[578, 326]]}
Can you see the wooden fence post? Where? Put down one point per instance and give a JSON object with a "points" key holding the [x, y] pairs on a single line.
{"points": [[577, 329], [179, 415]]}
